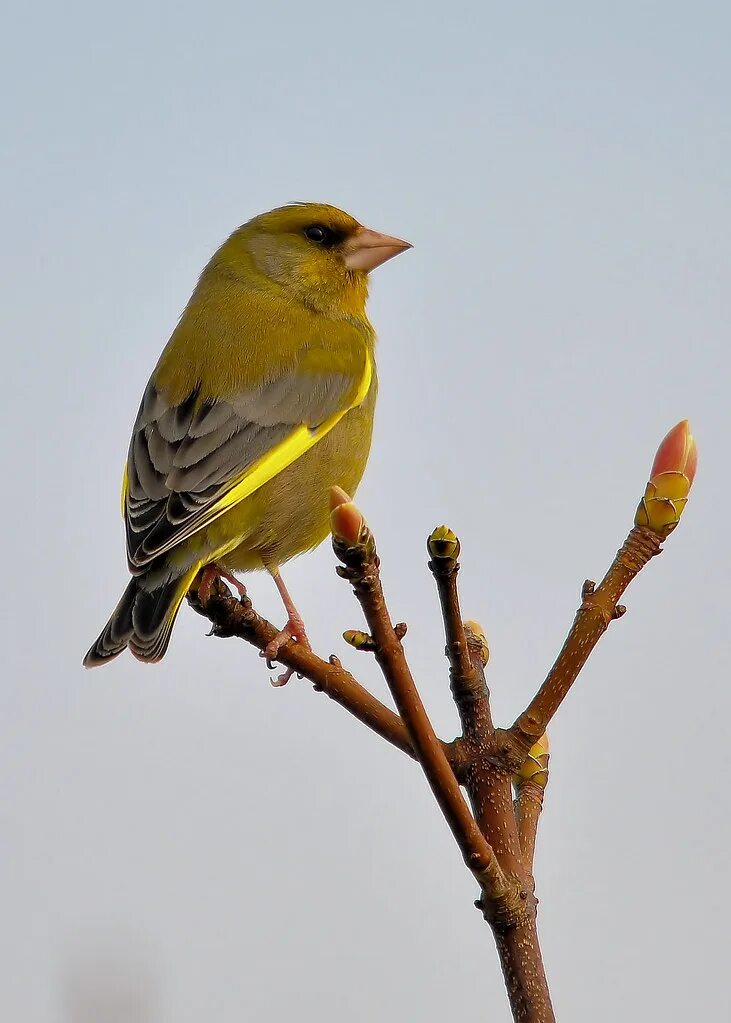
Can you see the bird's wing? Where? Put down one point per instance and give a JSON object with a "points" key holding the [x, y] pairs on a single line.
{"points": [[191, 462]]}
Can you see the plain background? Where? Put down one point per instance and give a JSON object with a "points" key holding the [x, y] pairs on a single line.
{"points": [[184, 843]]}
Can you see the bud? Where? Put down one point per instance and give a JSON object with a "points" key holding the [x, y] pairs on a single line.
{"points": [[358, 640], [677, 453], [347, 523], [443, 543], [535, 767], [672, 473], [475, 631]]}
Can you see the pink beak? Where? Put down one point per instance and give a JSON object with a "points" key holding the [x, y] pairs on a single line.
{"points": [[367, 249]]}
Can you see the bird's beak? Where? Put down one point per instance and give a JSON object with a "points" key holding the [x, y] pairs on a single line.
{"points": [[366, 249]]}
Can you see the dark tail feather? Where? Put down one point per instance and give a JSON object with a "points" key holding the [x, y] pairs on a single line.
{"points": [[143, 621]]}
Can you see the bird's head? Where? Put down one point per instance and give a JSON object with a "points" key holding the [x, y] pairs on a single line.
{"points": [[319, 254]]}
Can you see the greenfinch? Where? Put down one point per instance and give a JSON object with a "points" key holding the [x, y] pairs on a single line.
{"points": [[262, 400]]}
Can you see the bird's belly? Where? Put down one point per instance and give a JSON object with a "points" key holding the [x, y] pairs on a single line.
{"points": [[291, 514]]}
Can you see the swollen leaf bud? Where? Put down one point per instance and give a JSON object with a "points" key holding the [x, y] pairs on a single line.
{"points": [[358, 640], [671, 476], [535, 768], [443, 543], [476, 632], [346, 521]]}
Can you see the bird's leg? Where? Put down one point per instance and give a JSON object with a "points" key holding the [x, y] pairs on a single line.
{"points": [[294, 629], [209, 575]]}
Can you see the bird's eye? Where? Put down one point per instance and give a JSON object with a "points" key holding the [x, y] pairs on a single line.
{"points": [[318, 234]]}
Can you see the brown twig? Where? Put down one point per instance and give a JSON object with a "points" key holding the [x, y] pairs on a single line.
{"points": [[467, 684], [525, 977], [488, 783], [528, 804], [361, 569], [598, 608], [530, 783], [231, 617]]}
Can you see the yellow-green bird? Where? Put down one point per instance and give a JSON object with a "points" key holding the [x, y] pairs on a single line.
{"points": [[262, 400]]}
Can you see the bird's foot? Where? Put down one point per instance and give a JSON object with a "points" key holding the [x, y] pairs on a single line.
{"points": [[293, 630]]}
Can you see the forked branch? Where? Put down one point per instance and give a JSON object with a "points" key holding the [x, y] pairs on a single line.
{"points": [[355, 547], [497, 837], [232, 617]]}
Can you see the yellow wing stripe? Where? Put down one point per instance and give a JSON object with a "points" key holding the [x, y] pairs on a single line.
{"points": [[299, 441], [287, 451], [125, 488]]}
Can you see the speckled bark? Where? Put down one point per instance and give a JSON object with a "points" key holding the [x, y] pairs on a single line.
{"points": [[525, 978], [489, 786], [599, 607], [528, 806]]}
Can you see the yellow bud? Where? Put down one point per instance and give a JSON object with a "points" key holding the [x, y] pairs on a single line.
{"points": [[662, 505], [535, 768], [443, 543], [671, 476], [357, 639]]}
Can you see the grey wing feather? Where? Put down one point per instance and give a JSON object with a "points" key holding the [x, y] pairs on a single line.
{"points": [[183, 458]]}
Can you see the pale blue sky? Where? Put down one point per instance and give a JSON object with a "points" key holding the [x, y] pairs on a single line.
{"points": [[231, 852]]}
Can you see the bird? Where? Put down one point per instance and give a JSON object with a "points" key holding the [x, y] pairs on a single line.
{"points": [[262, 400]]}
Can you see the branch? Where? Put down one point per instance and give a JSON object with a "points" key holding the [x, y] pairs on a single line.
{"points": [[467, 683], [231, 617], [355, 547], [488, 783], [657, 515], [530, 785], [598, 608], [525, 978], [497, 839]]}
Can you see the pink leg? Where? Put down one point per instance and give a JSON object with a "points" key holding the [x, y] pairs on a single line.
{"points": [[294, 629], [209, 575]]}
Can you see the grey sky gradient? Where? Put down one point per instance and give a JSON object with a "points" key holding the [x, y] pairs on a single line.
{"points": [[190, 842]]}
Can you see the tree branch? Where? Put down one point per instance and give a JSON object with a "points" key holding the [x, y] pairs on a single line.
{"points": [[488, 783], [528, 804], [525, 978], [467, 683], [530, 783], [357, 551], [497, 839], [598, 608], [231, 617]]}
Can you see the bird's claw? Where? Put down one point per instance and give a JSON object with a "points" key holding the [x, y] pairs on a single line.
{"points": [[283, 679], [294, 630]]}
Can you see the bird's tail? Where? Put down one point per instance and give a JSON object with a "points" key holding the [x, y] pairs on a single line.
{"points": [[142, 620]]}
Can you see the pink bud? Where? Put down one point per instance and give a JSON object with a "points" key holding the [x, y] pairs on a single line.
{"points": [[347, 523], [677, 453]]}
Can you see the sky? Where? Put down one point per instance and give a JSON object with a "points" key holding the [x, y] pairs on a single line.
{"points": [[184, 842]]}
